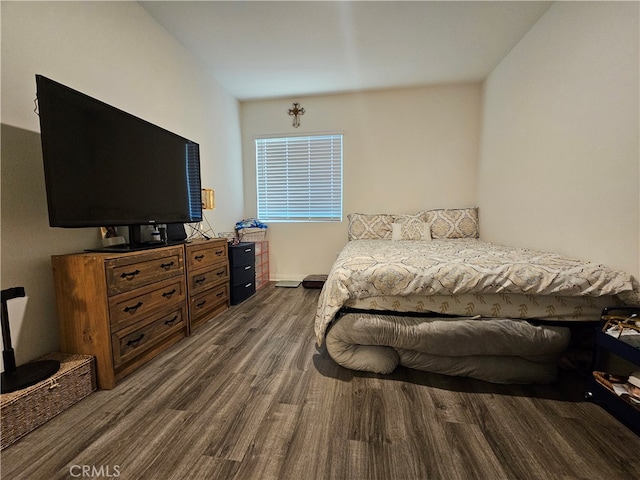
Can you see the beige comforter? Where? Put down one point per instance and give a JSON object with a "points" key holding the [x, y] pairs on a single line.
{"points": [[378, 268], [495, 350]]}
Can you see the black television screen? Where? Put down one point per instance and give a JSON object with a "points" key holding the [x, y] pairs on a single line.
{"points": [[105, 167]]}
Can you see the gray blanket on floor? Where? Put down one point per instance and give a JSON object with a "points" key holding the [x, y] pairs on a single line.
{"points": [[495, 350]]}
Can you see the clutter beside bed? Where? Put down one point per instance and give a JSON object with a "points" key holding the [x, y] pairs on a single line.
{"points": [[406, 286], [624, 328], [627, 388]]}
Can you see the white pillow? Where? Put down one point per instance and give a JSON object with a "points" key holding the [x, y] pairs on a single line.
{"points": [[411, 230]]}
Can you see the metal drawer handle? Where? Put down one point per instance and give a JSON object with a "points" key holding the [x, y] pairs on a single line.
{"points": [[220, 294], [248, 267], [221, 272], [199, 280], [130, 275], [133, 308], [169, 294], [134, 343], [198, 257], [167, 266], [248, 285], [248, 250], [172, 321], [201, 304], [219, 252]]}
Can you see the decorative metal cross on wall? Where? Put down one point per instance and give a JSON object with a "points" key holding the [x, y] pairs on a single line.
{"points": [[295, 112]]}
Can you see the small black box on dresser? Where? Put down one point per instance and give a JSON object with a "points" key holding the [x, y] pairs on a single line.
{"points": [[242, 260]]}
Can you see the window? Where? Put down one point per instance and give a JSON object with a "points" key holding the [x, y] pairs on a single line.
{"points": [[299, 179]]}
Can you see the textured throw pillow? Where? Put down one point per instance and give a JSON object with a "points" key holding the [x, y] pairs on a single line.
{"points": [[403, 218], [411, 230], [370, 227], [453, 223]]}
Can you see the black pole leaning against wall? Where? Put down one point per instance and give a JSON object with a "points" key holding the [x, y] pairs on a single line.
{"points": [[16, 378]]}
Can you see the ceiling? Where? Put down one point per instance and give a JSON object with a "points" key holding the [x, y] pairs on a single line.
{"points": [[268, 49]]}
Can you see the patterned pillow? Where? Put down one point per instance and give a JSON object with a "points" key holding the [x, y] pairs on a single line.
{"points": [[453, 223], [375, 227], [421, 217], [411, 230]]}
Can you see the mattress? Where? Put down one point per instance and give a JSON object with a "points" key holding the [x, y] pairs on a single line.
{"points": [[467, 277]]}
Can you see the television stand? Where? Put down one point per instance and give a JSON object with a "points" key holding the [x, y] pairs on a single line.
{"points": [[126, 307]]}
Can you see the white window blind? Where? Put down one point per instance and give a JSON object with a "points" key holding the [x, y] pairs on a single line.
{"points": [[299, 179]]}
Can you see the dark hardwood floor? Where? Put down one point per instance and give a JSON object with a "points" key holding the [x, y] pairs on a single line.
{"points": [[250, 396]]}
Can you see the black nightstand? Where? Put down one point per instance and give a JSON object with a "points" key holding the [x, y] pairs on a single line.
{"points": [[600, 390], [242, 260]]}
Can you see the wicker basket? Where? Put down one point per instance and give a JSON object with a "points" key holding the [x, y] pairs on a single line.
{"points": [[24, 410], [252, 234]]}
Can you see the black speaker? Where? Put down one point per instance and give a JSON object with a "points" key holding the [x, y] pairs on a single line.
{"points": [[176, 232]]}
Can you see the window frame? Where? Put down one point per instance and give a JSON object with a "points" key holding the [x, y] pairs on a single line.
{"points": [[329, 176]]}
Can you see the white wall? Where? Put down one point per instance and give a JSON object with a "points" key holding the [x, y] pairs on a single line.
{"points": [[404, 151], [116, 52], [559, 163]]}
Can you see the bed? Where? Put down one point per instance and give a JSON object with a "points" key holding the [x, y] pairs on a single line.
{"points": [[424, 292]]}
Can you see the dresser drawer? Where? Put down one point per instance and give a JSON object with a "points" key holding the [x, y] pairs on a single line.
{"points": [[205, 255], [244, 253], [201, 281], [209, 301], [130, 307], [129, 272], [135, 340]]}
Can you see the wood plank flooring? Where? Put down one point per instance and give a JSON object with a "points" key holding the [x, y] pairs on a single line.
{"points": [[250, 396]]}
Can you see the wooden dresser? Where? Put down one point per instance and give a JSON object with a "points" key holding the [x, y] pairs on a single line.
{"points": [[126, 308], [208, 279]]}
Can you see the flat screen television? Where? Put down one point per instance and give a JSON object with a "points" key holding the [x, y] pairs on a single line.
{"points": [[105, 167]]}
